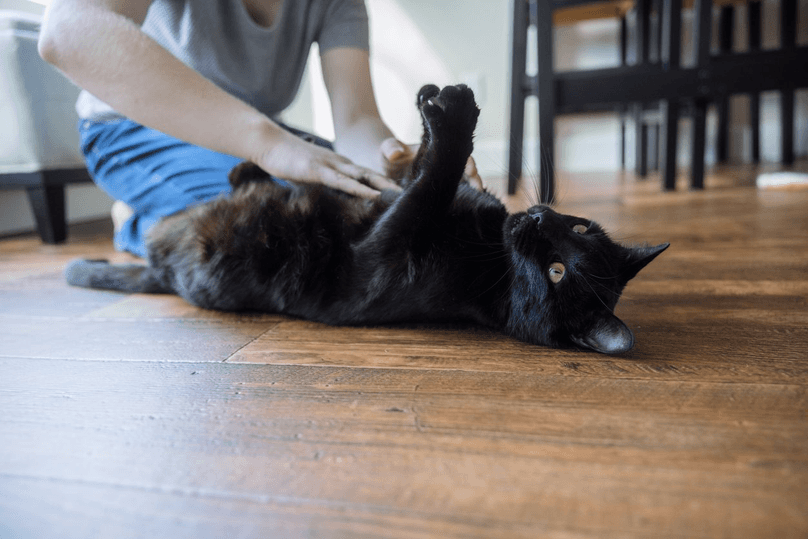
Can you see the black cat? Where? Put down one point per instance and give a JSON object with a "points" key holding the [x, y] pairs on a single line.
{"points": [[439, 250]]}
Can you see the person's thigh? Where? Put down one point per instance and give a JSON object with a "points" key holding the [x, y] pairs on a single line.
{"points": [[151, 171], [155, 174]]}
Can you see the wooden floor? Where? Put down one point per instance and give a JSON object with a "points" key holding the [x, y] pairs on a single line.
{"points": [[142, 416]]}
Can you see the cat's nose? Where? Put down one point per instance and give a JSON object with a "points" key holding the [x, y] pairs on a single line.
{"points": [[537, 213]]}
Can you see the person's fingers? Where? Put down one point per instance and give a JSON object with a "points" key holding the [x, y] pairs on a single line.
{"points": [[367, 177], [472, 176], [393, 150], [380, 182], [337, 180], [397, 157]]}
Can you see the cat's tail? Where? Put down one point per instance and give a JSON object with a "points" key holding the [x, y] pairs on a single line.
{"points": [[132, 278]]}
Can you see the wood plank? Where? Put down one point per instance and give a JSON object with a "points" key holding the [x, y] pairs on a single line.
{"points": [[167, 307], [30, 300], [81, 510], [663, 351], [103, 339], [584, 455]]}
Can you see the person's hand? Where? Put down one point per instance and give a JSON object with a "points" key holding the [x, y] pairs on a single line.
{"points": [[297, 160], [398, 156], [471, 175]]}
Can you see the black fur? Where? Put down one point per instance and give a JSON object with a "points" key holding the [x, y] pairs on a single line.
{"points": [[439, 250]]}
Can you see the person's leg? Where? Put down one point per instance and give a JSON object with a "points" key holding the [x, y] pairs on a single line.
{"points": [[153, 174]]}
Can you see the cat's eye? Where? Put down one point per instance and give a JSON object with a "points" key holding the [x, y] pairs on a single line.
{"points": [[579, 229], [556, 272]]}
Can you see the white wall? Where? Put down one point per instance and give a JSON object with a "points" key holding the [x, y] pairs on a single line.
{"points": [[22, 5]]}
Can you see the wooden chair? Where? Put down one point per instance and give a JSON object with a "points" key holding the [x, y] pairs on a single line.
{"points": [[543, 15], [788, 47], [712, 78], [40, 149], [646, 116]]}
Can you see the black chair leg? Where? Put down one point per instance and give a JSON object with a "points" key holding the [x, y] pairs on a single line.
{"points": [[670, 56], [622, 139], [702, 23], [653, 147], [518, 94], [669, 141], [725, 38], [699, 144], [48, 204], [641, 56], [753, 19], [641, 140], [788, 37], [787, 126], [515, 149], [623, 110], [542, 15], [539, 14], [754, 121]]}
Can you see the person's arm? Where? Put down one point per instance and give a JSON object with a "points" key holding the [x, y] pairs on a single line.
{"points": [[358, 126], [361, 134], [99, 45]]}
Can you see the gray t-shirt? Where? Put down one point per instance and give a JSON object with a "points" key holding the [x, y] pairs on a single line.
{"points": [[262, 66]]}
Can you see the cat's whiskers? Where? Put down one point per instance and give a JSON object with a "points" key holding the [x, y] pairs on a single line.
{"points": [[501, 255], [619, 295], [598, 278], [594, 292], [530, 197], [506, 289], [625, 239], [547, 172], [493, 255], [602, 278]]}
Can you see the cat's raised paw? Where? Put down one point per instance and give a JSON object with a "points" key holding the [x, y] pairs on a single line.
{"points": [[451, 111], [427, 92]]}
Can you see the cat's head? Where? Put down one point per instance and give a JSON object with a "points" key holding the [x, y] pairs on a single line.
{"points": [[568, 276]]}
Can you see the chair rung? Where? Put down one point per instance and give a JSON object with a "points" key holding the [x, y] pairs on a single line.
{"points": [[596, 10]]}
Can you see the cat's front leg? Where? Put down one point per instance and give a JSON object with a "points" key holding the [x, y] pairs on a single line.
{"points": [[449, 117]]}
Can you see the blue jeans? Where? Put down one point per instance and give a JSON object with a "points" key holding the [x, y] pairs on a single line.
{"points": [[155, 174]]}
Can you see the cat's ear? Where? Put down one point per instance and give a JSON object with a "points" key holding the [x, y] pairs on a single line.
{"points": [[639, 257], [608, 335]]}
